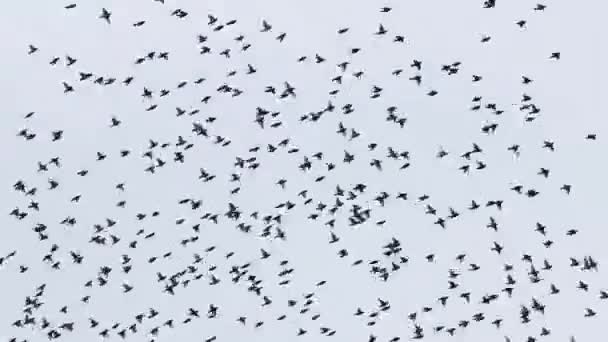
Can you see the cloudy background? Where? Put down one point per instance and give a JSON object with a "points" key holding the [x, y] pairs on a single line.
{"points": [[568, 92]]}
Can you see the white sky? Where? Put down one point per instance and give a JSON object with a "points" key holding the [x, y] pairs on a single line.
{"points": [[438, 32]]}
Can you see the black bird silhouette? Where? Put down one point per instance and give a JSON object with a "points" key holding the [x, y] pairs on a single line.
{"points": [[67, 88], [105, 15], [265, 26]]}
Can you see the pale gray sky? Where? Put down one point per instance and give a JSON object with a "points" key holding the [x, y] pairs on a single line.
{"points": [[437, 32]]}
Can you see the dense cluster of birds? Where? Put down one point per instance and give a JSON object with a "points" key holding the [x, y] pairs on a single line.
{"points": [[311, 198]]}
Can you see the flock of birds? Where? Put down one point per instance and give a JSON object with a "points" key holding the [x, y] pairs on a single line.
{"points": [[334, 207]]}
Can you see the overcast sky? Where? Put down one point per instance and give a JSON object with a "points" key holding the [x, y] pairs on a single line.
{"points": [[437, 32]]}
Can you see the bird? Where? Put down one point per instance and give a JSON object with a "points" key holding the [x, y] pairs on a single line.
{"points": [[381, 30], [555, 55], [105, 15], [67, 88], [265, 26], [32, 49]]}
